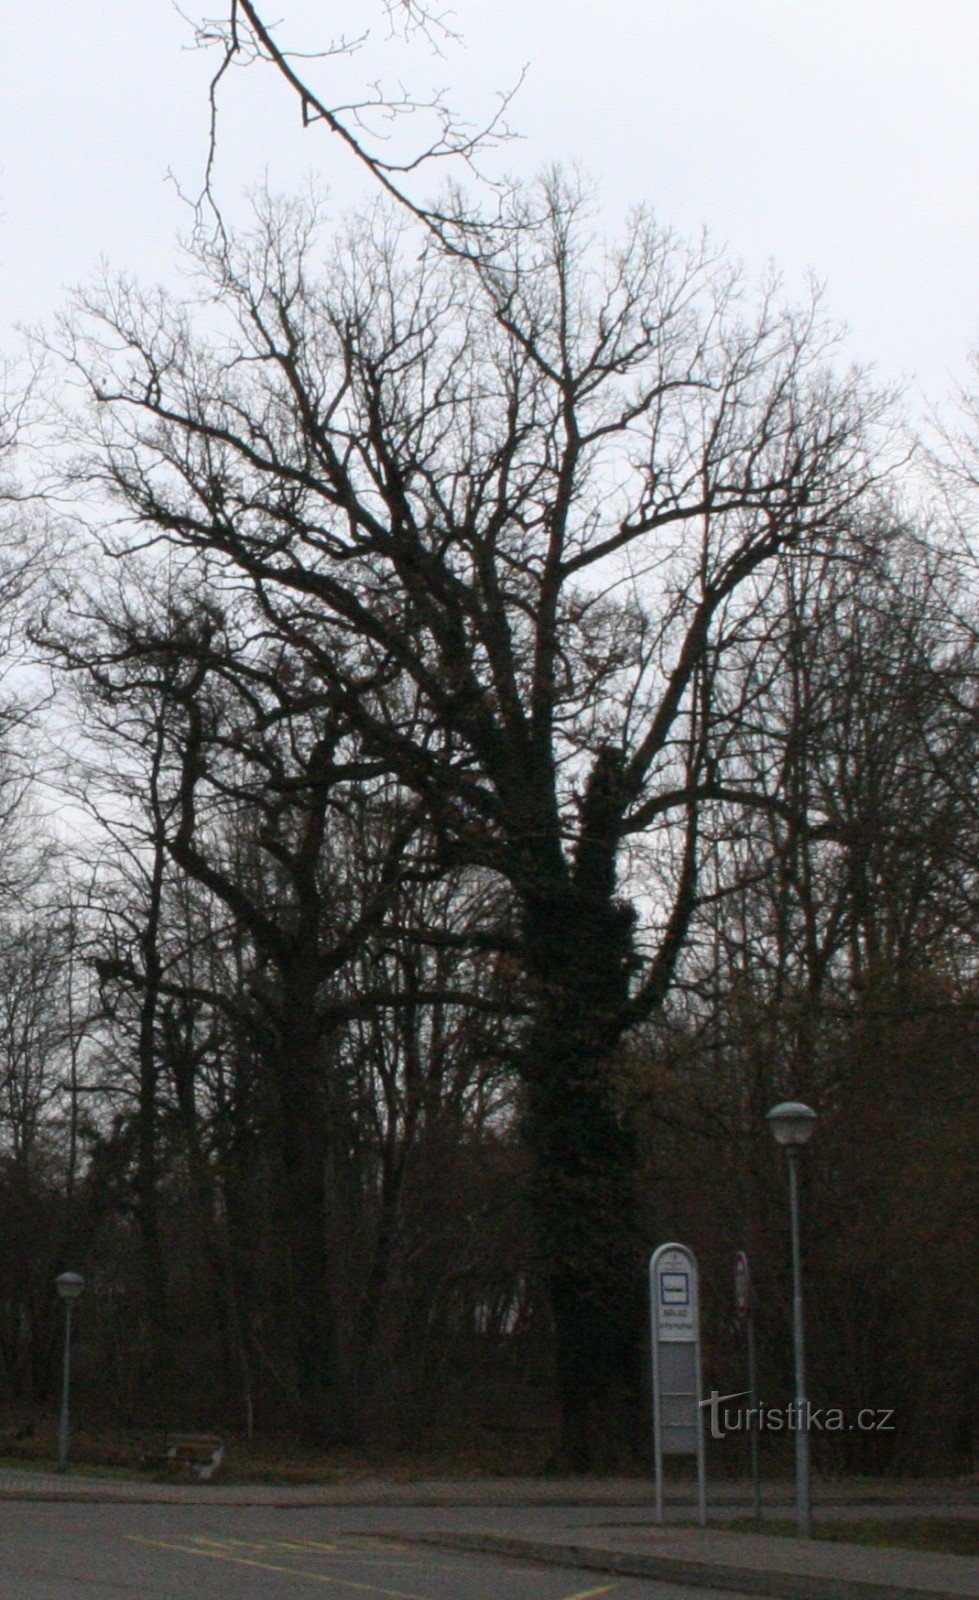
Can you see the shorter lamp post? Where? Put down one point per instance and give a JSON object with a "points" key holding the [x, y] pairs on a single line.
{"points": [[70, 1286], [791, 1123]]}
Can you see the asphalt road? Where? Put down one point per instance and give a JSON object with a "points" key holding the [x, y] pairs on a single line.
{"points": [[103, 1552]]}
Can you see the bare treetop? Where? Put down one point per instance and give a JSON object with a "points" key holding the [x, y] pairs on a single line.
{"points": [[369, 124]]}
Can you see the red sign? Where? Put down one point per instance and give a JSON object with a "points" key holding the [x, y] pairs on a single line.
{"points": [[742, 1285]]}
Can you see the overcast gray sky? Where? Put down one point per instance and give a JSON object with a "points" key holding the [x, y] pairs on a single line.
{"points": [[841, 138]]}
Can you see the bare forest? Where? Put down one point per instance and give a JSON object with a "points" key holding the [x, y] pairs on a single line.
{"points": [[488, 710]]}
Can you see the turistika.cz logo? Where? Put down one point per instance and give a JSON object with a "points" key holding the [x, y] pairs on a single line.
{"points": [[797, 1417]]}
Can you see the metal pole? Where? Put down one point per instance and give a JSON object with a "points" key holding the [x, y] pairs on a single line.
{"points": [[802, 1418], [65, 1382], [657, 1427], [753, 1406], [701, 1456]]}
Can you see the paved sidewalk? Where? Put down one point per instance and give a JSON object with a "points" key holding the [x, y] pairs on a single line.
{"points": [[599, 1524], [747, 1564]]}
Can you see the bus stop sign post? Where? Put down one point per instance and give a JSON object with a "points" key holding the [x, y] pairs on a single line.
{"points": [[678, 1416], [744, 1301]]}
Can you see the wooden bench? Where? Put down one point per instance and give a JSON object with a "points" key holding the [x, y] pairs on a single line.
{"points": [[198, 1452]]}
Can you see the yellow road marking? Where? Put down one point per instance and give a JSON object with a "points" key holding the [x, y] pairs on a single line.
{"points": [[257, 1546], [382, 1544], [456, 1556], [366, 1559], [268, 1566], [306, 1544], [228, 1544]]}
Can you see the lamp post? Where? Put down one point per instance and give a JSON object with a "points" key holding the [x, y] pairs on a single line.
{"points": [[70, 1286], [791, 1123]]}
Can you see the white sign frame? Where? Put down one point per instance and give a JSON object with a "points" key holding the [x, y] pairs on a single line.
{"points": [[674, 1314]]}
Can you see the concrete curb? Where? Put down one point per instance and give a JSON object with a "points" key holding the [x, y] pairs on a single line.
{"points": [[669, 1569], [459, 1494], [137, 1498]]}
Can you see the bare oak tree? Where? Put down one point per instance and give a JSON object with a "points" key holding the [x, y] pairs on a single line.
{"points": [[512, 507]]}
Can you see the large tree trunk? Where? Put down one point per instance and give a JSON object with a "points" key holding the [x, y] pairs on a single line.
{"points": [[301, 1132], [585, 1162]]}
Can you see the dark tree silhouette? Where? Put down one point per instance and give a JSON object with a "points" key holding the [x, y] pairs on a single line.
{"points": [[512, 506]]}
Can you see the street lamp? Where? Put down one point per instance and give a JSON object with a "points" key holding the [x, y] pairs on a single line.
{"points": [[70, 1286], [791, 1123]]}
